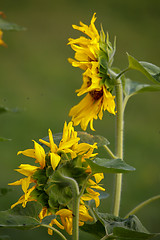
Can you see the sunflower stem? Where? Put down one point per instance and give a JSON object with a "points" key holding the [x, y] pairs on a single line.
{"points": [[109, 151], [121, 73], [76, 200], [141, 205], [119, 146], [55, 230]]}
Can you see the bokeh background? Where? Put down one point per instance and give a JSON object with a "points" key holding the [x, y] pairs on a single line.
{"points": [[37, 79]]}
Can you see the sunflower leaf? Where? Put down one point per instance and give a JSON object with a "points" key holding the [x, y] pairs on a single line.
{"points": [[119, 228], [109, 166], [131, 88], [151, 71], [21, 218], [84, 138], [4, 25]]}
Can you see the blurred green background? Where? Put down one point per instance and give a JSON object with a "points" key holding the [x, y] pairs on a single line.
{"points": [[36, 78]]}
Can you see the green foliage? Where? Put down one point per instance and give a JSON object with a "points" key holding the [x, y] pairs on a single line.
{"points": [[99, 165], [21, 218], [151, 71], [91, 139], [4, 25], [132, 88], [118, 228], [84, 138]]}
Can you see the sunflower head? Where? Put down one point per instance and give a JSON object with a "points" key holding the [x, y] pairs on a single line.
{"points": [[42, 182], [93, 54]]}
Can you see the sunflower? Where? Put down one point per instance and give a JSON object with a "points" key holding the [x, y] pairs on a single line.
{"points": [[1, 33], [94, 55]]}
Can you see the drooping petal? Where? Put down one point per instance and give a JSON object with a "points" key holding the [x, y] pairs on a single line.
{"points": [[28, 153], [55, 159], [27, 169]]}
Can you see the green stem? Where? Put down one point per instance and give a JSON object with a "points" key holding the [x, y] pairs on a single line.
{"points": [[105, 237], [119, 146], [76, 199], [141, 205], [121, 73], [55, 230], [84, 185], [109, 152]]}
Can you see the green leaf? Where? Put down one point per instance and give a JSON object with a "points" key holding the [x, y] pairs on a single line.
{"points": [[96, 229], [99, 165], [19, 217], [124, 229], [84, 138], [4, 25], [151, 71], [131, 87], [24, 218], [48, 219], [91, 139], [127, 234]]}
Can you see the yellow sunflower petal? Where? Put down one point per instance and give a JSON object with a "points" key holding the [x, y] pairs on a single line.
{"points": [[39, 154], [55, 159]]}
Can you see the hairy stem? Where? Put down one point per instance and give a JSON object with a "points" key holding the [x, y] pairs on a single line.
{"points": [[119, 146], [76, 199]]}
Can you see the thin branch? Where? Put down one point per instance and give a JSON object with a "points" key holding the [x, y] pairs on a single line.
{"points": [[55, 230], [109, 151], [141, 205]]}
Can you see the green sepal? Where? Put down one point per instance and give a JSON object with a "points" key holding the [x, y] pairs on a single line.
{"points": [[152, 72], [40, 176], [99, 165], [49, 171], [58, 189], [103, 59], [59, 195], [4, 25]]}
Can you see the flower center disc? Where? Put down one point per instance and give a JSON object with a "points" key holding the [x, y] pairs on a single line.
{"points": [[96, 94]]}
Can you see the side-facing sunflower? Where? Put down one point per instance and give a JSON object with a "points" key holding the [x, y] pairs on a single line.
{"points": [[94, 55], [41, 183]]}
